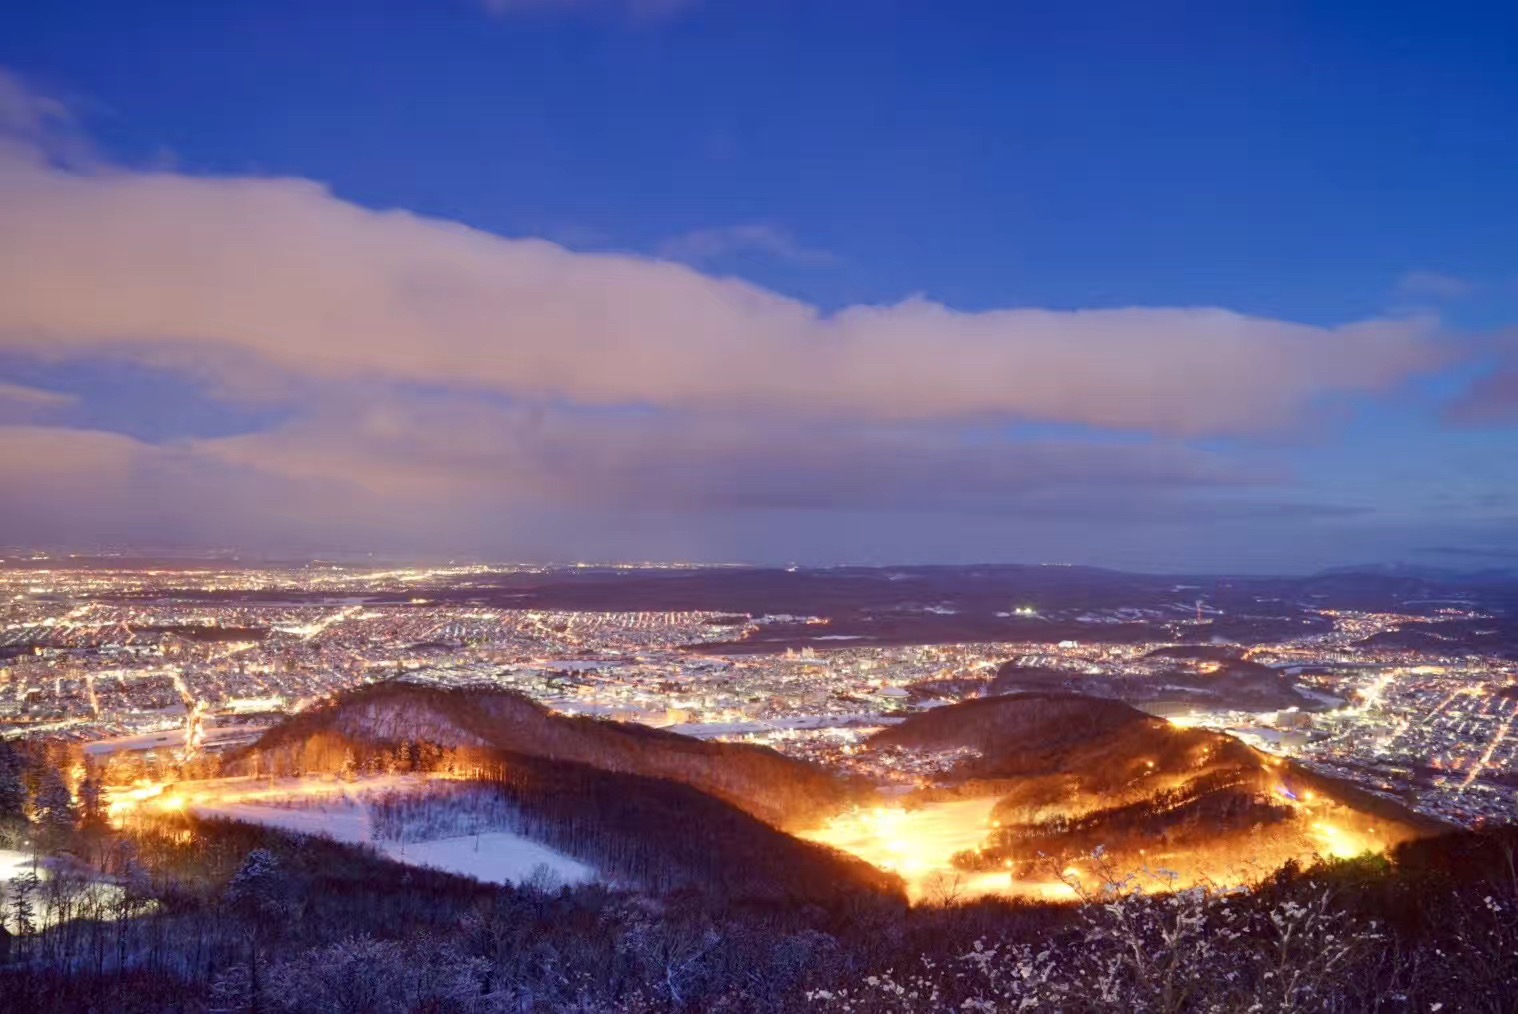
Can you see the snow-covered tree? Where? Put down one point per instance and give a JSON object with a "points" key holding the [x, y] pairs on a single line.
{"points": [[257, 888], [12, 791], [232, 991], [53, 808], [23, 910], [91, 801], [1190, 950], [377, 977]]}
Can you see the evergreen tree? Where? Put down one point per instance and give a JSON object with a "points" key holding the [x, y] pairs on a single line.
{"points": [[91, 804], [12, 797], [257, 889], [53, 807], [23, 911], [12, 788], [257, 892]]}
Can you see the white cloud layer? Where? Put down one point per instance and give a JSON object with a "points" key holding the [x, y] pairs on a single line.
{"points": [[440, 385], [251, 280]]}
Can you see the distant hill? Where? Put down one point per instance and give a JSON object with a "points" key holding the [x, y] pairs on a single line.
{"points": [[1012, 677], [1213, 675], [649, 808], [1215, 652], [775, 788], [1060, 752], [1422, 572], [1484, 636], [1016, 734], [1070, 773]]}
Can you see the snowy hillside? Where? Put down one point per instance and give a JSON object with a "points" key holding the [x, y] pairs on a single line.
{"points": [[472, 845]]}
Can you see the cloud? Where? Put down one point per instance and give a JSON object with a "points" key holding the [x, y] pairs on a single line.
{"points": [[25, 404], [67, 482], [33, 397], [35, 127], [1490, 401], [78, 487], [704, 245], [425, 447], [436, 385], [27, 113], [417, 471], [1434, 285], [267, 278], [1492, 398], [56, 454]]}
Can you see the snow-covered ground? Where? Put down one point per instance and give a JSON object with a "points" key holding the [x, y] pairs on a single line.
{"points": [[14, 864], [101, 894], [494, 856], [339, 820]]}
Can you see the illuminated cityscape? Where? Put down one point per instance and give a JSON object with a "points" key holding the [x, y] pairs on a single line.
{"points": [[180, 659], [758, 507]]}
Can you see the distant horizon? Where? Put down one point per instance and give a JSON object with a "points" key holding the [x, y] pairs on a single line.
{"points": [[358, 558]]}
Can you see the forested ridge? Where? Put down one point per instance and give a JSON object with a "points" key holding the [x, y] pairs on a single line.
{"points": [[777, 789], [222, 916]]}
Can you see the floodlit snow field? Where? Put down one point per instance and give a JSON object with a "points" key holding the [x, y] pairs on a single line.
{"points": [[919, 844], [494, 857]]}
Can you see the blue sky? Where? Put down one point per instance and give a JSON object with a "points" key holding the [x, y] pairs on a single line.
{"points": [[925, 201]]}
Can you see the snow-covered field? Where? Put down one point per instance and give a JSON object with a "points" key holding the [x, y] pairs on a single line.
{"points": [[491, 856], [14, 864], [495, 857], [96, 896]]}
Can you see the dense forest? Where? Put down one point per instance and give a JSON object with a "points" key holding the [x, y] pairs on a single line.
{"points": [[656, 835], [220, 916], [702, 905]]}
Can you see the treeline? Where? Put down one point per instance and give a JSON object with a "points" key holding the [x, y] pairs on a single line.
{"points": [[1207, 810], [242, 918], [659, 835], [1003, 728], [1094, 745], [47, 793], [450, 810]]}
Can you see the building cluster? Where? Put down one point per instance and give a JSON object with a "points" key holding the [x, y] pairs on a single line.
{"points": [[144, 659]]}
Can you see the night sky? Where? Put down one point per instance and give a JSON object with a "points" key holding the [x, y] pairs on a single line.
{"points": [[1148, 286]]}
